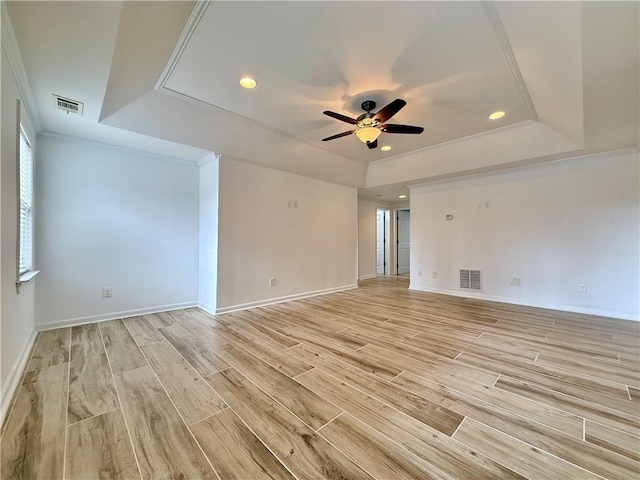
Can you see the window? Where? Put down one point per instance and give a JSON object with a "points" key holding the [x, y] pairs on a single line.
{"points": [[25, 228]]}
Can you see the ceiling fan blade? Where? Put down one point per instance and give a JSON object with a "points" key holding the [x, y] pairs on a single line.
{"points": [[390, 110], [394, 128], [340, 117], [333, 137], [373, 144]]}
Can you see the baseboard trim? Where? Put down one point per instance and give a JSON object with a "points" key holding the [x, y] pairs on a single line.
{"points": [[563, 308], [287, 298], [207, 308], [368, 277], [13, 380], [113, 316]]}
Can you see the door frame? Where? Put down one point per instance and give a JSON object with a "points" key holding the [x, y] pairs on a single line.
{"points": [[386, 246], [397, 213]]}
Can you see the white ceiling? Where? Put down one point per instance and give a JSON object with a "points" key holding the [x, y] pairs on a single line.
{"points": [[163, 77]]}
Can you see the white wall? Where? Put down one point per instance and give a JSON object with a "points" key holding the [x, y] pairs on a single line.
{"points": [[308, 249], [554, 227], [16, 309], [366, 238], [208, 263], [110, 216]]}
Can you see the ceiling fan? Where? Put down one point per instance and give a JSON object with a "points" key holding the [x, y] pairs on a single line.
{"points": [[370, 125]]}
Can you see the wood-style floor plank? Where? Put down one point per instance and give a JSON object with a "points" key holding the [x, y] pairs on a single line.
{"points": [[377, 382], [201, 356], [580, 453], [427, 363], [528, 461], [87, 335], [32, 445], [91, 388], [584, 408], [192, 396], [52, 348], [122, 351], [614, 440], [284, 362], [159, 320], [374, 452], [446, 456], [603, 393], [248, 322], [306, 405], [142, 331], [99, 447], [235, 451], [608, 372], [442, 419], [306, 454], [162, 442]]}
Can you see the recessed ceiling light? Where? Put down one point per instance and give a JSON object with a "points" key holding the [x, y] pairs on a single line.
{"points": [[247, 82], [402, 196], [385, 148], [497, 115]]}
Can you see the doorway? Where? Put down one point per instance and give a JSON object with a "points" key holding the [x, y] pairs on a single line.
{"points": [[403, 241], [382, 245]]}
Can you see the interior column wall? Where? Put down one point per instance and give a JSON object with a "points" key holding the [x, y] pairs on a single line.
{"points": [[208, 235], [272, 224]]}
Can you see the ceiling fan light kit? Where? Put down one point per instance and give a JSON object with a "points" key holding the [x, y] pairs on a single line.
{"points": [[369, 125], [368, 134]]}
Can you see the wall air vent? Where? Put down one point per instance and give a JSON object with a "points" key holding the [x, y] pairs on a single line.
{"points": [[471, 279], [68, 105]]}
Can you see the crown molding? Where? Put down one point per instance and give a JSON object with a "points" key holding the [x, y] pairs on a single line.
{"points": [[89, 141], [10, 46], [551, 162], [189, 28], [491, 12], [208, 159]]}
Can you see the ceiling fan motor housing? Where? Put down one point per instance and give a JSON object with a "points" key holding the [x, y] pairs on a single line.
{"points": [[368, 105]]}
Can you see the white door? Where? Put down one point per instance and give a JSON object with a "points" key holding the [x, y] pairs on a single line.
{"points": [[380, 244], [403, 241]]}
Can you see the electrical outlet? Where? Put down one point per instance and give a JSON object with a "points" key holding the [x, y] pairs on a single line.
{"points": [[295, 204], [419, 273], [487, 204], [514, 281], [106, 292], [434, 274], [582, 288], [272, 281]]}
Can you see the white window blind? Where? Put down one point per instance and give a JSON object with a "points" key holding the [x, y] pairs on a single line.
{"points": [[25, 255]]}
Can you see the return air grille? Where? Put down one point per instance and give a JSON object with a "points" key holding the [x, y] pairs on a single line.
{"points": [[471, 279], [68, 105]]}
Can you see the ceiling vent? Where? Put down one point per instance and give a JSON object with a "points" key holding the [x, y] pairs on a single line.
{"points": [[68, 105], [471, 280]]}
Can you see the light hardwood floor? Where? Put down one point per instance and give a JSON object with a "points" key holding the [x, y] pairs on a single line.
{"points": [[377, 382]]}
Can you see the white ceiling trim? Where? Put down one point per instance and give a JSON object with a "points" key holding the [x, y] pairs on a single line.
{"points": [[208, 159], [491, 12], [10, 46], [189, 28], [455, 141], [256, 123], [89, 141], [521, 168], [528, 143]]}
